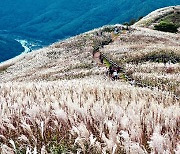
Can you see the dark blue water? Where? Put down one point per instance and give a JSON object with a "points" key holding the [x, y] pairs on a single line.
{"points": [[12, 45], [9, 48]]}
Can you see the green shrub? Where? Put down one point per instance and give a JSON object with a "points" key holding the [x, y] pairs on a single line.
{"points": [[108, 29], [166, 27]]}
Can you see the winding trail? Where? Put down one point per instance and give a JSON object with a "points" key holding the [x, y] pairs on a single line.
{"points": [[129, 79]]}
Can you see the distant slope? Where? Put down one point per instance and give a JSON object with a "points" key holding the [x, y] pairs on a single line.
{"points": [[168, 14], [9, 48]]}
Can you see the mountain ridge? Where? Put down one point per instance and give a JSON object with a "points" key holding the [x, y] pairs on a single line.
{"points": [[158, 15]]}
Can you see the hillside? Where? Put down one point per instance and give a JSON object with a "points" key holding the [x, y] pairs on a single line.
{"points": [[59, 99], [167, 14]]}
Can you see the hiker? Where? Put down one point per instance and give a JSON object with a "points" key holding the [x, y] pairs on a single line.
{"points": [[115, 75], [132, 82], [110, 71], [116, 31], [101, 58], [119, 69], [107, 72], [99, 33]]}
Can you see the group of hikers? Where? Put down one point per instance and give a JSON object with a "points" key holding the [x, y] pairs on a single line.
{"points": [[113, 72], [115, 30]]}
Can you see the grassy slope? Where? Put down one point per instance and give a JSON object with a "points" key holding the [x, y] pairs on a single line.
{"points": [[72, 58], [172, 18], [169, 14]]}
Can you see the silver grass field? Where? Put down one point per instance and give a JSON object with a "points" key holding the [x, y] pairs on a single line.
{"points": [[106, 116]]}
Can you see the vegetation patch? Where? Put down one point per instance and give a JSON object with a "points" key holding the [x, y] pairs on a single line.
{"points": [[3, 69], [169, 23], [166, 27], [106, 62], [172, 18], [108, 29]]}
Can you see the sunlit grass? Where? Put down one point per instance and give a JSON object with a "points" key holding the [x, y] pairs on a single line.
{"points": [[86, 114]]}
